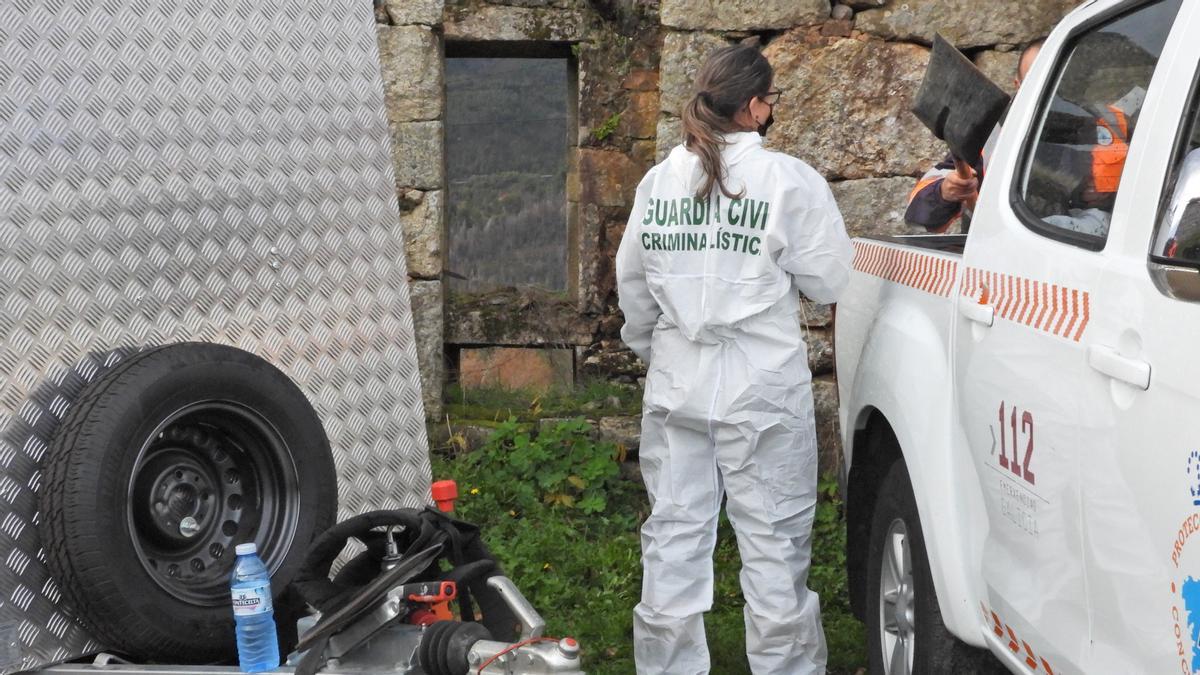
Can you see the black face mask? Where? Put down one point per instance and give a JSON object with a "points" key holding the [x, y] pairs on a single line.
{"points": [[762, 128]]}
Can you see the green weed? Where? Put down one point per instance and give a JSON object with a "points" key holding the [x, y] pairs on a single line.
{"points": [[564, 527], [607, 128]]}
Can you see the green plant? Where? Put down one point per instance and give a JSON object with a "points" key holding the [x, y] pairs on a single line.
{"points": [[607, 128], [562, 465], [581, 569]]}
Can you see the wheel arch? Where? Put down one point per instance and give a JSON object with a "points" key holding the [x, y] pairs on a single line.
{"points": [[873, 457], [902, 409]]}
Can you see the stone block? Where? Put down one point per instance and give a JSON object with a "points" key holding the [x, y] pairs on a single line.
{"points": [[411, 61], [814, 315], [593, 277], [561, 4], [820, 351], [641, 80], [1000, 67], [640, 118], [526, 317], [417, 154], [457, 438], [842, 28], [602, 362], [421, 217], [625, 431], [743, 15], [965, 23], [643, 153], [427, 12], [607, 178], [669, 135], [516, 368], [829, 440], [505, 23], [682, 56], [426, 298], [848, 107], [874, 206]]}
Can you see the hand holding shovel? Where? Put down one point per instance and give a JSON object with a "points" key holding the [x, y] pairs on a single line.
{"points": [[960, 105]]}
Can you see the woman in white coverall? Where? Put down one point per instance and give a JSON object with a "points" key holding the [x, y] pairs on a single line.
{"points": [[722, 235]]}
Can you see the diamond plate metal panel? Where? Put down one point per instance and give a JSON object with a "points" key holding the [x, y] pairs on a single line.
{"points": [[178, 170]]}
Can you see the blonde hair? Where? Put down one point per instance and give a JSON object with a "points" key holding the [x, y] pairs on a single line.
{"points": [[729, 78]]}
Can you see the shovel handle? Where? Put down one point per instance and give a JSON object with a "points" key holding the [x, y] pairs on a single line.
{"points": [[964, 171]]}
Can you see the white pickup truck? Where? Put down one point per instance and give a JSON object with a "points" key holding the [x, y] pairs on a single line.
{"points": [[1019, 405]]}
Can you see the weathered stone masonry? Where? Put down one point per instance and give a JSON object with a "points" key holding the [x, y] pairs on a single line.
{"points": [[849, 71]]}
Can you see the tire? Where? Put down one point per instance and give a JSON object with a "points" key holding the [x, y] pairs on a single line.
{"points": [[905, 632], [159, 468]]}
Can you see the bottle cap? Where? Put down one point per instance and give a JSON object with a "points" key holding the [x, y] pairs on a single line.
{"points": [[444, 492], [246, 549]]}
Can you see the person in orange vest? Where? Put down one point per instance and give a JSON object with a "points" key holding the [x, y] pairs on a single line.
{"points": [[1113, 130]]}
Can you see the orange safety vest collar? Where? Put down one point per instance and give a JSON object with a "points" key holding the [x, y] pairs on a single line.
{"points": [[1110, 151]]}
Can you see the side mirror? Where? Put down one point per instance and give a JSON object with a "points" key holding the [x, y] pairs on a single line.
{"points": [[1175, 262], [1179, 232]]}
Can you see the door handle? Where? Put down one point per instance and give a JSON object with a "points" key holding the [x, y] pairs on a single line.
{"points": [[979, 312], [1110, 362]]}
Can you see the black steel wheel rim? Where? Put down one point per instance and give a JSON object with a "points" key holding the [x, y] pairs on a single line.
{"points": [[211, 475]]}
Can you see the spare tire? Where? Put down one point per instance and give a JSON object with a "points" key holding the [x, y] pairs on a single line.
{"points": [[159, 468]]}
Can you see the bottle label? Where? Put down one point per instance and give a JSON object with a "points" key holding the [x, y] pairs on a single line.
{"points": [[252, 600]]}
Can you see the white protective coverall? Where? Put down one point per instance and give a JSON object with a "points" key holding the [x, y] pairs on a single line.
{"points": [[709, 292]]}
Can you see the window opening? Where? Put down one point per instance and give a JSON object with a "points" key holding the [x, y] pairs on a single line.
{"points": [[506, 169]]}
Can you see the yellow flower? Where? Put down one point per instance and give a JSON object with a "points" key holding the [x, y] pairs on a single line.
{"points": [[546, 566], [513, 514], [474, 491]]}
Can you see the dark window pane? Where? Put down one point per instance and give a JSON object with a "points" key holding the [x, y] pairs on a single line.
{"points": [[1071, 180], [506, 167]]}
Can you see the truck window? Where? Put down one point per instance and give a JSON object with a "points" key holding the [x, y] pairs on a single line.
{"points": [[1071, 171], [1175, 253]]}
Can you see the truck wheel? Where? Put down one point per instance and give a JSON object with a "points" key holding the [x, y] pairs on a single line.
{"points": [[905, 633], [160, 467]]}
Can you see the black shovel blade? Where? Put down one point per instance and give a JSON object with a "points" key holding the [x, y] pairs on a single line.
{"points": [[958, 103]]}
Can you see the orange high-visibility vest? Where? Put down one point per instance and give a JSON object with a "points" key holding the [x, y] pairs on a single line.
{"points": [[1110, 151]]}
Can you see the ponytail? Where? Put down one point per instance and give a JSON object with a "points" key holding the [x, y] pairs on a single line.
{"points": [[729, 78]]}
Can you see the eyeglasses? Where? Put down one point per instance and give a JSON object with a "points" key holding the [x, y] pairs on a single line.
{"points": [[771, 97]]}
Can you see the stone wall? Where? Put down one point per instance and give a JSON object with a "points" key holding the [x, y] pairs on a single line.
{"points": [[849, 71], [410, 52]]}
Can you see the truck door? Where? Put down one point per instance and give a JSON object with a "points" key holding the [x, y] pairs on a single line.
{"points": [[1141, 481], [1030, 403]]}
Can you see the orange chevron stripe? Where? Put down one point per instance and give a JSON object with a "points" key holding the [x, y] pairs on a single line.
{"points": [[1045, 304], [1074, 312], [1049, 308], [928, 273], [1087, 316], [1065, 310]]}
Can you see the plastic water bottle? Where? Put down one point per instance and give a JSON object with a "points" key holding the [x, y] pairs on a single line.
{"points": [[258, 646]]}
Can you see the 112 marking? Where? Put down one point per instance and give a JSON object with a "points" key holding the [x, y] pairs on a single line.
{"points": [[1021, 469]]}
